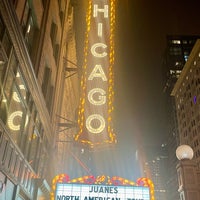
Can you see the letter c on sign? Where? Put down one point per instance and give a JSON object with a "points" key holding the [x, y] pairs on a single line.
{"points": [[98, 129], [99, 55]]}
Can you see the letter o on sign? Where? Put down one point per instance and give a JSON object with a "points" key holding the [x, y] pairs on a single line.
{"points": [[100, 128]]}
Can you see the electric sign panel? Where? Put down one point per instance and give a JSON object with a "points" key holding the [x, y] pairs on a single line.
{"points": [[96, 99], [100, 192]]}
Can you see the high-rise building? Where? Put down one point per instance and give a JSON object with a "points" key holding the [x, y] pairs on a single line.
{"points": [[35, 37], [176, 55], [187, 100], [177, 52], [153, 167]]}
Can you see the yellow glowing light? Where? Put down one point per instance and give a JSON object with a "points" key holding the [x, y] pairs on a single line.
{"points": [[95, 52], [13, 118], [15, 95], [91, 128], [98, 50], [101, 98], [97, 72]]}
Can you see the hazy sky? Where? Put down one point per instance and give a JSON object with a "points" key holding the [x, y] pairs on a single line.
{"points": [[143, 26]]}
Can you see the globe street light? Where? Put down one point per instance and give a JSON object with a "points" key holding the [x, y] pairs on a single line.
{"points": [[188, 174], [184, 152]]}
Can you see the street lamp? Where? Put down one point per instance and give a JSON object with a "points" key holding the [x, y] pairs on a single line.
{"points": [[188, 174], [184, 152]]}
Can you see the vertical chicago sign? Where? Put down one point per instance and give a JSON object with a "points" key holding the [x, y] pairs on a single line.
{"points": [[96, 101]]}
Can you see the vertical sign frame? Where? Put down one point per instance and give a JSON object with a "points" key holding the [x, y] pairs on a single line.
{"points": [[97, 80]]}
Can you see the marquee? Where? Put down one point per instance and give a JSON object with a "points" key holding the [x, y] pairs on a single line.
{"points": [[100, 192], [101, 188], [97, 80]]}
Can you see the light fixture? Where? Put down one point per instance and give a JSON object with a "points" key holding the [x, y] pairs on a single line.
{"points": [[184, 152]]}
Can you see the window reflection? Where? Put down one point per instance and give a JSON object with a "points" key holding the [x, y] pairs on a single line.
{"points": [[21, 85], [16, 116], [33, 148], [17, 110], [18, 113]]}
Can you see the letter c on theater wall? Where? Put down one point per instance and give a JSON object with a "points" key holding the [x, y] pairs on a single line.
{"points": [[99, 55], [101, 98], [92, 129]]}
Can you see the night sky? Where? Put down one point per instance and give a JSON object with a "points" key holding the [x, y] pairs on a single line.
{"points": [[141, 30], [141, 40]]}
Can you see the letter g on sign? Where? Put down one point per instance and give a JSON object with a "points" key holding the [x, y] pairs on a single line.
{"points": [[101, 98]]}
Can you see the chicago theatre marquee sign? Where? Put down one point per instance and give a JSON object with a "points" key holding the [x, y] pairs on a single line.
{"points": [[96, 101]]}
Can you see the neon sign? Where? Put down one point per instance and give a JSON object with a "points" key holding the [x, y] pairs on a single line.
{"points": [[101, 188], [96, 102]]}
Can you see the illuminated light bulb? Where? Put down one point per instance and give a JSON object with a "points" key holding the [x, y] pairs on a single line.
{"points": [[184, 152], [11, 118], [101, 98], [15, 97], [98, 129], [4, 100], [17, 75]]}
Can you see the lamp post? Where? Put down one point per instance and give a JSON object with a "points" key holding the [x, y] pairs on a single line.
{"points": [[188, 174]]}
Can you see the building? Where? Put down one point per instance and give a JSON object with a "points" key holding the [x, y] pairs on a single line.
{"points": [[188, 174], [67, 119], [152, 165], [34, 41], [176, 55], [178, 49], [186, 93]]}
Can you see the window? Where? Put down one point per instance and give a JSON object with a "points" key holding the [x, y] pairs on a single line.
{"points": [[14, 2], [25, 17], [27, 136], [46, 80], [30, 30], [34, 145], [6, 43], [184, 42], [4, 106], [2, 28], [5, 49], [175, 51], [42, 161], [50, 100], [176, 42], [61, 14], [55, 46], [47, 87], [53, 33], [29, 33], [2, 67], [24, 93], [44, 2], [3, 148], [56, 51], [16, 116]]}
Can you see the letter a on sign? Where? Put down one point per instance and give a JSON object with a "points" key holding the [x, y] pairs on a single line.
{"points": [[96, 98]]}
